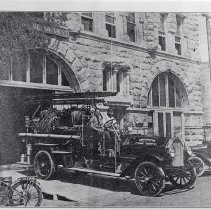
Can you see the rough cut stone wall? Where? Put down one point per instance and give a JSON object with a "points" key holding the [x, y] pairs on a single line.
{"points": [[87, 53]]}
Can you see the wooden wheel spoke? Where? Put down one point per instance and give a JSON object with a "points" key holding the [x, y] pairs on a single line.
{"points": [[154, 186], [184, 180], [177, 178], [146, 172], [141, 173], [148, 179], [141, 179], [156, 182]]}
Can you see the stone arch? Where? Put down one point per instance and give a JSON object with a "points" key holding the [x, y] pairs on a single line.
{"points": [[78, 74], [162, 66]]}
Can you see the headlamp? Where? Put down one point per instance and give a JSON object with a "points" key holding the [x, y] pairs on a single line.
{"points": [[172, 152]]}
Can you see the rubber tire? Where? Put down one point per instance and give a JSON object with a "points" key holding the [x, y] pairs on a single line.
{"points": [[161, 176], [201, 172], [191, 181], [37, 188], [51, 162]]}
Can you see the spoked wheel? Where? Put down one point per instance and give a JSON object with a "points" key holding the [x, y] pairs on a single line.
{"points": [[149, 179], [24, 193], [198, 164], [183, 178], [44, 166]]}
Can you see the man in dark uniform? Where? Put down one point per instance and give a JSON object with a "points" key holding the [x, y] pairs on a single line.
{"points": [[96, 131]]}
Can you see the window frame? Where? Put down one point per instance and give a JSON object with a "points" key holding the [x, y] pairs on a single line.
{"points": [[115, 81], [178, 35], [167, 77], [89, 18], [163, 36], [29, 84], [131, 23], [161, 31], [111, 24]]}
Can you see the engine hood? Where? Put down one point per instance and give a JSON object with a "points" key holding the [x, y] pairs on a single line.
{"points": [[138, 139]]}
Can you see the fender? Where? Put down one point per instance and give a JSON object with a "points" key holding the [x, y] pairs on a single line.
{"points": [[134, 164], [206, 158]]}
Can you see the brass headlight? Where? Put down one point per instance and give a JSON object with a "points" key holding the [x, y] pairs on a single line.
{"points": [[189, 150], [171, 152]]}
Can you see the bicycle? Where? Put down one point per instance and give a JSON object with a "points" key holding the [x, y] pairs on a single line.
{"points": [[25, 191]]}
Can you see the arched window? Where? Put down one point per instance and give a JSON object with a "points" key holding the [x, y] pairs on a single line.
{"points": [[167, 91], [37, 69], [52, 72], [167, 98]]}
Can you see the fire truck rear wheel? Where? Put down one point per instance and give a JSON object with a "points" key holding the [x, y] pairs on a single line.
{"points": [[44, 166]]}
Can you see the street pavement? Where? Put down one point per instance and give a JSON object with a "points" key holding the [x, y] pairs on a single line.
{"points": [[69, 190]]}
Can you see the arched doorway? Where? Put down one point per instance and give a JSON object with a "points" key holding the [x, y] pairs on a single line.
{"points": [[36, 72], [168, 100]]}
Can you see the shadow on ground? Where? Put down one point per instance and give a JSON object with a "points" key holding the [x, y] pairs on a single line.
{"points": [[105, 182]]}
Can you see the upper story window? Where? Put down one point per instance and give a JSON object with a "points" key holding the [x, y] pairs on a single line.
{"points": [[110, 21], [178, 35], [131, 26], [115, 80], [161, 32], [87, 21]]}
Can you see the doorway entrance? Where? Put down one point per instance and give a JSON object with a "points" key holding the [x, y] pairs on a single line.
{"points": [[168, 99]]}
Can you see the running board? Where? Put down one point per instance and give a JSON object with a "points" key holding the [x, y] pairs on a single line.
{"points": [[95, 172]]}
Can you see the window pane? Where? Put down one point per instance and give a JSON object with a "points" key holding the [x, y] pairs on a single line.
{"points": [[162, 43], [4, 68], [64, 80], [178, 48], [110, 19], [51, 72], [171, 93], [118, 82], [88, 23], [160, 125], [162, 90], [131, 31], [178, 98], [162, 22], [155, 95], [19, 66], [131, 17], [177, 39], [178, 26], [104, 81], [177, 125], [36, 67], [168, 125], [111, 30]]}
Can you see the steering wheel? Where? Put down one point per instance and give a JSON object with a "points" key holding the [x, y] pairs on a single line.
{"points": [[128, 127], [110, 124]]}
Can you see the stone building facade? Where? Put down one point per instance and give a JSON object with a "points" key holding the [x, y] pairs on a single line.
{"points": [[151, 59]]}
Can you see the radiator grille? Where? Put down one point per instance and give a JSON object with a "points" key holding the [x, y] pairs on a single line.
{"points": [[178, 160]]}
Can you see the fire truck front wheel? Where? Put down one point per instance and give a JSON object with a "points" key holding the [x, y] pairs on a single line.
{"points": [[44, 166]]}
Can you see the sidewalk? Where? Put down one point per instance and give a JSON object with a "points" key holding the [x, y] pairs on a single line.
{"points": [[66, 188]]}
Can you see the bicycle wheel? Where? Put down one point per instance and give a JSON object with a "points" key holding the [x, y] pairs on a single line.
{"points": [[25, 193]]}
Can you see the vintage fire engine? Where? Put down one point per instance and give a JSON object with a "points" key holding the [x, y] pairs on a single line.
{"points": [[59, 134]]}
